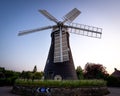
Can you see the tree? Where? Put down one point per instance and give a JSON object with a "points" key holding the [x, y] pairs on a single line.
{"points": [[79, 72], [9, 77], [38, 75], [95, 71], [35, 69], [26, 75]]}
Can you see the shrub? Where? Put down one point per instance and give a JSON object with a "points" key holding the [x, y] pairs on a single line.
{"points": [[113, 81], [2, 81]]}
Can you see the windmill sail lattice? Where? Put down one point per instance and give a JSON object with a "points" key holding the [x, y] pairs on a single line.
{"points": [[48, 15], [60, 61], [71, 15], [85, 30]]}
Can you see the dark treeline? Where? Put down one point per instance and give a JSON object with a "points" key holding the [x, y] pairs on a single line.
{"points": [[91, 71], [8, 77], [97, 71]]}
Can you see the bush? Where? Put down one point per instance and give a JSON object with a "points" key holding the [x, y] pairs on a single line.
{"points": [[113, 81], [7, 81], [9, 78], [2, 81]]}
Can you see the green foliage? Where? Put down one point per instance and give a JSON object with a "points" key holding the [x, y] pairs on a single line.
{"points": [[79, 72], [2, 81], [95, 71], [35, 69], [30, 75], [38, 75], [2, 69], [9, 77], [64, 83]]}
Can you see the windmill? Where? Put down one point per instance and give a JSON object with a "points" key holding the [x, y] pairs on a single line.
{"points": [[59, 64]]}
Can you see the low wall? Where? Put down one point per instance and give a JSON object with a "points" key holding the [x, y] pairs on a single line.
{"points": [[41, 91]]}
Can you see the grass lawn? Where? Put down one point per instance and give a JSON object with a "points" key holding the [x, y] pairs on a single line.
{"points": [[63, 83]]}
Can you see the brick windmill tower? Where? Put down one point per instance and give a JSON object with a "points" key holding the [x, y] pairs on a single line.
{"points": [[59, 64]]}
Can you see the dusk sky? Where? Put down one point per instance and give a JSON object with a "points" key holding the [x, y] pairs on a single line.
{"points": [[24, 52]]}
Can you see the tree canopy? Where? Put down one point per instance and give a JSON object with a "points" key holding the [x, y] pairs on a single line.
{"points": [[95, 71]]}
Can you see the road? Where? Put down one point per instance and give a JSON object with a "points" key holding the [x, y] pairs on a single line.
{"points": [[6, 91], [114, 91]]}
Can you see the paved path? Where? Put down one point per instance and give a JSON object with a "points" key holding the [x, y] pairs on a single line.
{"points": [[6, 91], [114, 91]]}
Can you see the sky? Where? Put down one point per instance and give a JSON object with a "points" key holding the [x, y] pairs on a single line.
{"points": [[20, 53]]}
